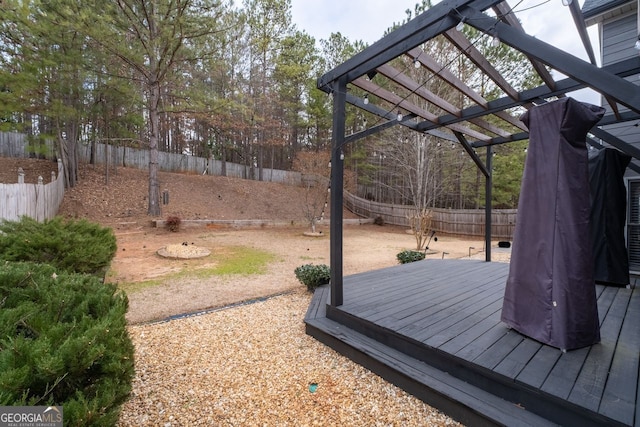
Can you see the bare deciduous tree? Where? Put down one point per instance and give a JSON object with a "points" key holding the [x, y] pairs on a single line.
{"points": [[413, 158], [315, 178]]}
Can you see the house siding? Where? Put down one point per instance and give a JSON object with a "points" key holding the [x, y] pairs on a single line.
{"points": [[618, 38]]}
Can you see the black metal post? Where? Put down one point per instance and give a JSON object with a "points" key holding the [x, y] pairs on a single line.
{"points": [[487, 204], [337, 178]]}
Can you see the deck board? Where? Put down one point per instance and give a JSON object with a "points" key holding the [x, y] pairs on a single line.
{"points": [[473, 349], [618, 399], [493, 355], [409, 318], [476, 330], [515, 361], [459, 322], [590, 383], [446, 313], [561, 378], [440, 314], [408, 299], [539, 367]]}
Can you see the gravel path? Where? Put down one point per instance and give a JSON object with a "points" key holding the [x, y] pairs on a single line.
{"points": [[252, 365]]}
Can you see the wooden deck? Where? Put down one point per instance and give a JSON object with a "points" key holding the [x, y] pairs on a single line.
{"points": [[433, 328]]}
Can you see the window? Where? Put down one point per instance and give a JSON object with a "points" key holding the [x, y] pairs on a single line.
{"points": [[633, 226]]}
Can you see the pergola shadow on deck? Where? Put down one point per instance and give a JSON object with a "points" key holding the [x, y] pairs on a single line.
{"points": [[433, 328]]}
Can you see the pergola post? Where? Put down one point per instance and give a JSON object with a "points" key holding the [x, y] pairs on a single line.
{"points": [[487, 204], [337, 191]]}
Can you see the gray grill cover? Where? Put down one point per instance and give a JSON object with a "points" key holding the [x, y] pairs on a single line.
{"points": [[550, 292]]}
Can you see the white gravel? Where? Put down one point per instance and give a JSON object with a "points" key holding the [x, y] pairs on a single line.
{"points": [[253, 365]]}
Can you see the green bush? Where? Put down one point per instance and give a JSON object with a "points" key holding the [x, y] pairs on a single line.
{"points": [[73, 246], [407, 256], [63, 341], [313, 276]]}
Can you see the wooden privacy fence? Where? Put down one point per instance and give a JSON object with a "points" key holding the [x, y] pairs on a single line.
{"points": [[39, 201], [14, 144], [462, 222], [173, 162], [468, 222]]}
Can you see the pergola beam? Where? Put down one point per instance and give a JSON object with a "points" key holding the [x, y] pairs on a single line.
{"points": [[417, 31], [469, 149], [622, 91], [443, 73], [616, 142], [402, 79], [578, 20], [504, 12], [407, 105], [471, 52], [622, 69]]}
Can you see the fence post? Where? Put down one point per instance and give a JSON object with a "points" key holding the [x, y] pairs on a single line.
{"points": [[20, 176]]}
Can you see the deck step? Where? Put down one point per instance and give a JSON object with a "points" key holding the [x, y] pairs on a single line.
{"points": [[464, 402]]}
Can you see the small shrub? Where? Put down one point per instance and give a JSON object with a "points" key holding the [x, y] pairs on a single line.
{"points": [[407, 256], [77, 246], [378, 220], [313, 276], [173, 223], [64, 342]]}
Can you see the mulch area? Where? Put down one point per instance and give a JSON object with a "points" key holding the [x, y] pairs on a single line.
{"points": [[253, 365]]}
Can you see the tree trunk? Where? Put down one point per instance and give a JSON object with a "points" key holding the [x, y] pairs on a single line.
{"points": [[223, 158], [260, 162], [154, 119], [68, 153]]}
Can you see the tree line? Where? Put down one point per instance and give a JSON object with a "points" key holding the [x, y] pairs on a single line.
{"points": [[210, 78]]}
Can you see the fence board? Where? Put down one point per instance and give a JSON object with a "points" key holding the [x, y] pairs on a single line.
{"points": [[39, 201], [13, 144], [462, 222]]}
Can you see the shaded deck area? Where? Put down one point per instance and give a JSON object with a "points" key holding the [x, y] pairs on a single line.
{"points": [[433, 328]]}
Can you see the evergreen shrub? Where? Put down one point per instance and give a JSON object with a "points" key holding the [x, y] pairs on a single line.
{"points": [[63, 341], [313, 276], [73, 246], [407, 256]]}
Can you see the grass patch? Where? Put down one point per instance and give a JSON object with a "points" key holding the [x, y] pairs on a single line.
{"points": [[231, 260], [310, 258], [242, 260]]}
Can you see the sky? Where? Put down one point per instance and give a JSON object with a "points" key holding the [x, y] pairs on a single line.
{"points": [[366, 20]]}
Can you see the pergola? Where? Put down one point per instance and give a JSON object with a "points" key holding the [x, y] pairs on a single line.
{"points": [[468, 125]]}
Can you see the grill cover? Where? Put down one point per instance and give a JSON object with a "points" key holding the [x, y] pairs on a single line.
{"points": [[550, 292], [608, 216]]}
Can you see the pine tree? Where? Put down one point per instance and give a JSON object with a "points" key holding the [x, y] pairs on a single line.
{"points": [[64, 342]]}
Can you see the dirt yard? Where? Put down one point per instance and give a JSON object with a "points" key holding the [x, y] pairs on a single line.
{"points": [[119, 200]]}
